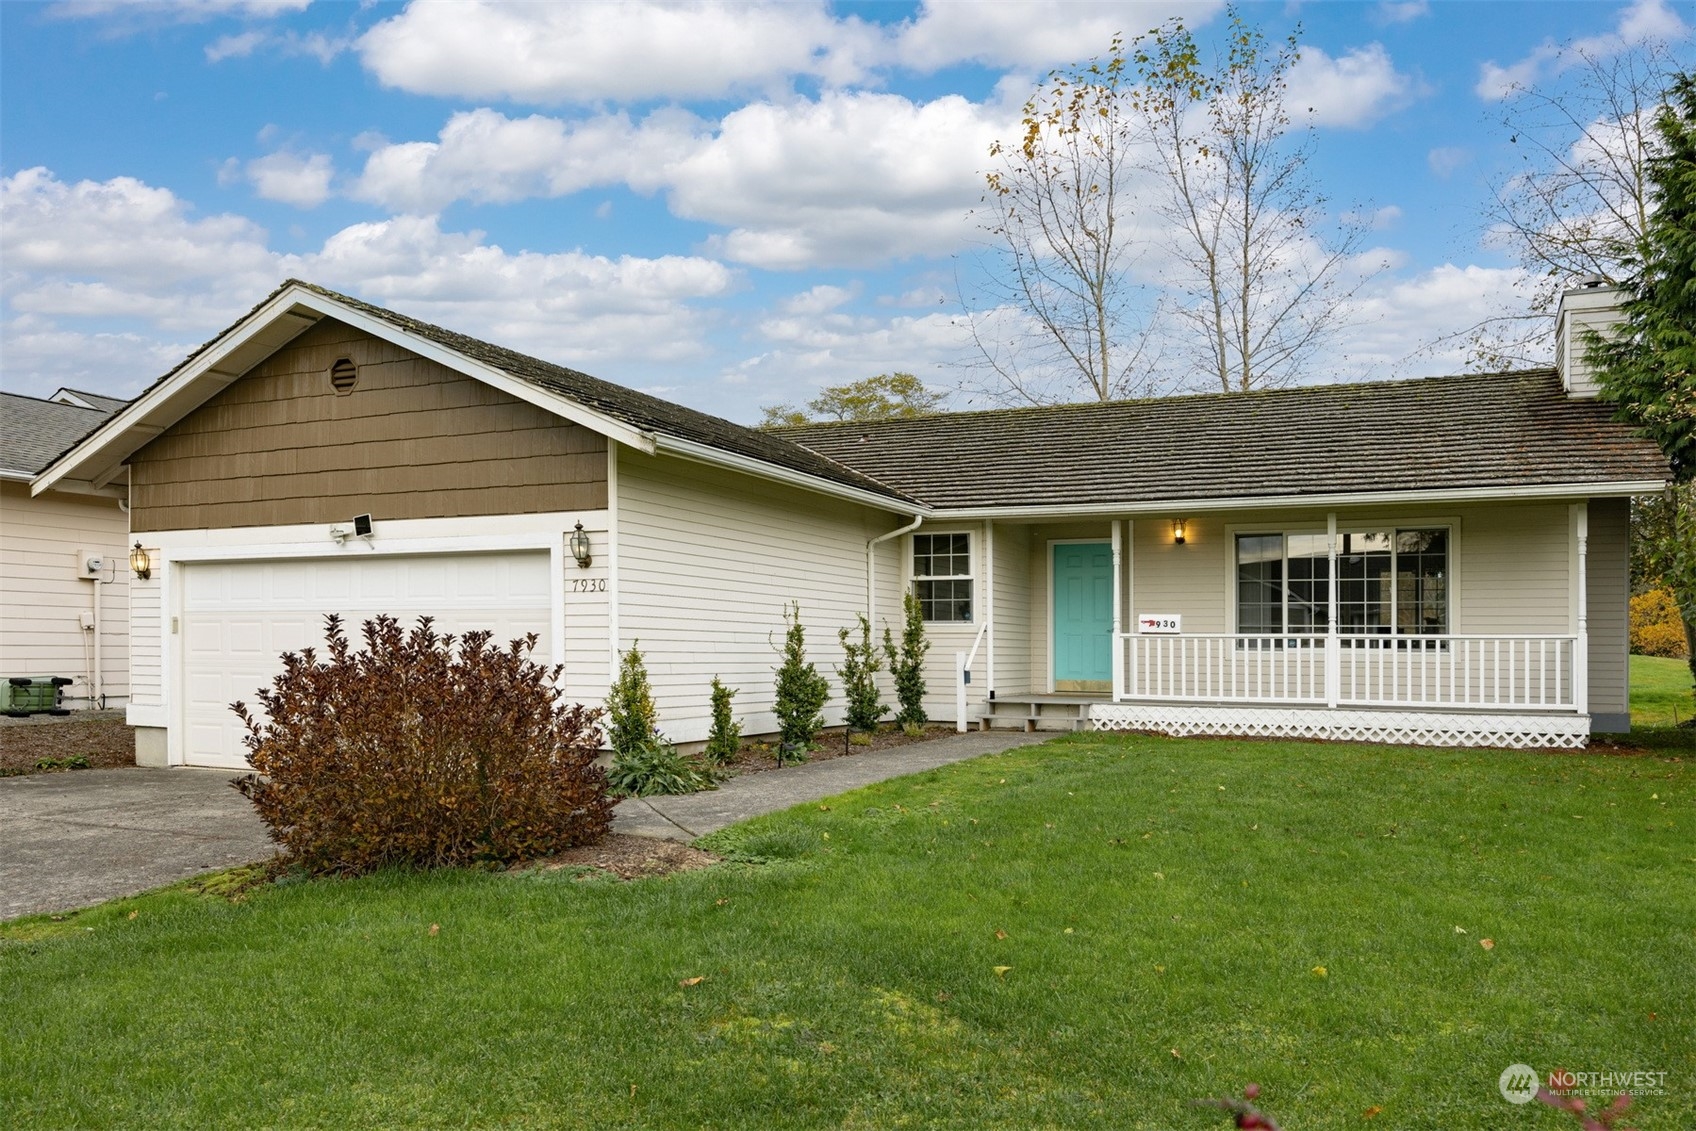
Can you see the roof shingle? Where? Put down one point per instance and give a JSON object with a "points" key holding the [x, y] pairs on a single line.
{"points": [[34, 432], [1489, 430]]}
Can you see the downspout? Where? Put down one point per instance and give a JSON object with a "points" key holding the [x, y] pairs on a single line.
{"points": [[871, 566]]}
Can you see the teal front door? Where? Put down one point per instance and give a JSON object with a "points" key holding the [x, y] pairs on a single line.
{"points": [[1083, 616]]}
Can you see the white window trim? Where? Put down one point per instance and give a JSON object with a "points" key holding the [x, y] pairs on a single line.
{"points": [[973, 543], [1350, 524]]}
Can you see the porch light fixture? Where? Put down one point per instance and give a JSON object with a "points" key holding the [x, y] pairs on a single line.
{"points": [[141, 563], [580, 547], [1177, 532]]}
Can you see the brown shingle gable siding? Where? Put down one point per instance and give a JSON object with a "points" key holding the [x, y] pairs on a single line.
{"points": [[1489, 430], [413, 440]]}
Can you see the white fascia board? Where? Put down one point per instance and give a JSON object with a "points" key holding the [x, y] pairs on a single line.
{"points": [[1290, 502], [717, 457], [134, 419]]}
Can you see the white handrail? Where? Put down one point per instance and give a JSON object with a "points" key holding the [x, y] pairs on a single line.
{"points": [[962, 673]]}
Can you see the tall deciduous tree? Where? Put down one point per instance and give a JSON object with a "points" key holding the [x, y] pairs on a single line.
{"points": [[888, 396], [1259, 275], [1649, 368], [1577, 201], [1059, 212]]}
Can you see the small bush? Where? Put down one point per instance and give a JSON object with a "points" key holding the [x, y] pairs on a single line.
{"points": [[860, 665], [421, 750], [801, 693], [632, 718], [656, 769], [68, 762], [724, 741], [907, 665], [1656, 627]]}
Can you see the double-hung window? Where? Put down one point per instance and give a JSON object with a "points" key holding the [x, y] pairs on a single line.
{"points": [[942, 576], [1389, 583]]}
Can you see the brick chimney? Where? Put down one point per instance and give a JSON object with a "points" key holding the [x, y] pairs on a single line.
{"points": [[1594, 304]]}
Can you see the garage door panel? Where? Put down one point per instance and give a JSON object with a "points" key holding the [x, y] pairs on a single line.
{"points": [[240, 617]]}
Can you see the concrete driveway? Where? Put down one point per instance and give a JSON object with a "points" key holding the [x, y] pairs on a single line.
{"points": [[71, 839]]}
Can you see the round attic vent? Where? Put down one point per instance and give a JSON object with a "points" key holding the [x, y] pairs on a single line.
{"points": [[343, 376]]}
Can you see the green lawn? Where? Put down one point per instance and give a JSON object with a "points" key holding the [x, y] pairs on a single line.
{"points": [[1176, 918], [1660, 691]]}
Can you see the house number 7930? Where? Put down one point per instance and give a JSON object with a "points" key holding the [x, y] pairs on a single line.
{"points": [[588, 585]]}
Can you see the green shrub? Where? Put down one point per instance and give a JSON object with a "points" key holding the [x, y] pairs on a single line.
{"points": [[907, 665], [724, 741], [68, 762], [656, 769], [801, 693], [421, 750], [860, 665], [632, 718]]}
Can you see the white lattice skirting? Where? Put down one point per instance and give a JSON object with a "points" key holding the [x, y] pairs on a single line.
{"points": [[1411, 728]]}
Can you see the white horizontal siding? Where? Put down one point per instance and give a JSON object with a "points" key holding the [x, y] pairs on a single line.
{"points": [[1013, 613], [1609, 576], [707, 562], [146, 640], [43, 593]]}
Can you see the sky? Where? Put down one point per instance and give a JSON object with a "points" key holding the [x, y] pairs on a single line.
{"points": [[728, 205]]}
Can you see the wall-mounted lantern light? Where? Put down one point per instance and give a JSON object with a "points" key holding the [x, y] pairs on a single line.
{"points": [[1177, 532], [580, 547], [141, 563]]}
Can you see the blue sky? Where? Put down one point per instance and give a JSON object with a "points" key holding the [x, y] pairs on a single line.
{"points": [[730, 205]]}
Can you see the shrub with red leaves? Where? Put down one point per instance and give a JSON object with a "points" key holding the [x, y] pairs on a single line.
{"points": [[421, 750]]}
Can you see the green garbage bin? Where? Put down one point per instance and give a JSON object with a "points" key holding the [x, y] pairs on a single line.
{"points": [[22, 696]]}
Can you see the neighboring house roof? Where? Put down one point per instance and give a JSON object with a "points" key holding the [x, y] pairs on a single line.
{"points": [[1497, 430], [33, 432], [648, 415], [88, 400]]}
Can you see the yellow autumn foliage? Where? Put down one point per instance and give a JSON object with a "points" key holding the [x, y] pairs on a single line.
{"points": [[1656, 629]]}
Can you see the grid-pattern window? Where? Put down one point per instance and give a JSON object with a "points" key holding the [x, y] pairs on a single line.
{"points": [[1388, 583], [942, 576]]}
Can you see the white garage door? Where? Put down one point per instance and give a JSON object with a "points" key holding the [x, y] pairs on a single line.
{"points": [[239, 617]]}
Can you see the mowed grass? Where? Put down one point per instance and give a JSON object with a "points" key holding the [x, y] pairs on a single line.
{"points": [[1171, 919], [1660, 692]]}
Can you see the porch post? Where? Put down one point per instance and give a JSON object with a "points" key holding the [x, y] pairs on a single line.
{"points": [[1126, 655], [1581, 646], [1333, 645], [1118, 654], [989, 606]]}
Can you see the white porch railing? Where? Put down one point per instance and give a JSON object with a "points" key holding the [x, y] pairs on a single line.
{"points": [[1461, 672]]}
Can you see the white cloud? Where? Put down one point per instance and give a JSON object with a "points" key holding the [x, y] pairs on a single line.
{"points": [[805, 353], [80, 256], [240, 45], [1377, 220], [484, 156], [1354, 89], [1032, 33], [1402, 11], [292, 179], [184, 11], [1405, 327], [817, 300], [553, 53], [1644, 21], [1446, 159], [851, 179]]}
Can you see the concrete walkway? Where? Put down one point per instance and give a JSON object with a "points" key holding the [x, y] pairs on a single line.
{"points": [[697, 814], [71, 839]]}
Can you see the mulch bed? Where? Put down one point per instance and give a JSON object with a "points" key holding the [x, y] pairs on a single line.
{"points": [[105, 741], [754, 760], [631, 857]]}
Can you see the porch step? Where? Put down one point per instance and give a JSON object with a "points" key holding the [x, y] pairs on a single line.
{"points": [[1038, 712]]}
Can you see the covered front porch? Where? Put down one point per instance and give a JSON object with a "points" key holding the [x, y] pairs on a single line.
{"points": [[1472, 624]]}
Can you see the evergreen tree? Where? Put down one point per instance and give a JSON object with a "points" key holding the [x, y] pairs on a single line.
{"points": [[632, 718], [860, 665], [1648, 369], [801, 692], [724, 741], [907, 664]]}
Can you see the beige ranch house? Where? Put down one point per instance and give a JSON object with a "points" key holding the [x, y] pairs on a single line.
{"points": [[1435, 561]]}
